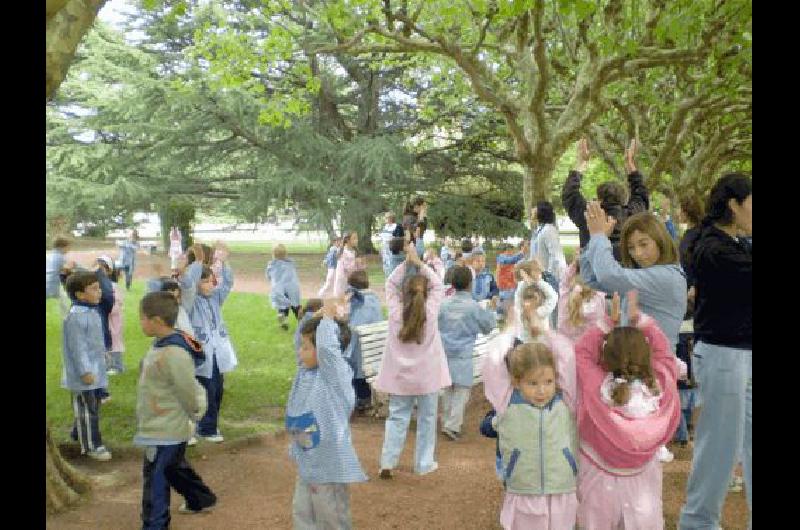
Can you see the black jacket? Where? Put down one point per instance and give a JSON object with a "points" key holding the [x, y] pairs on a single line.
{"points": [[687, 240], [723, 274], [575, 204]]}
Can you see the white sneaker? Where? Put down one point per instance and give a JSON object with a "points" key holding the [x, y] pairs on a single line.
{"points": [[736, 485], [214, 438], [664, 454], [101, 453], [433, 468], [112, 371], [186, 511], [192, 441]]}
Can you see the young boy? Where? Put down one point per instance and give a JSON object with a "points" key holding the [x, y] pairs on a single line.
{"points": [[483, 284], [203, 302], [54, 267], [168, 402], [365, 308], [84, 354], [460, 321], [318, 421], [330, 265], [506, 282], [282, 274], [183, 323]]}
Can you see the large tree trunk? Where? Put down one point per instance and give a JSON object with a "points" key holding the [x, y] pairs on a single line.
{"points": [[67, 23], [365, 245], [536, 182], [63, 483]]}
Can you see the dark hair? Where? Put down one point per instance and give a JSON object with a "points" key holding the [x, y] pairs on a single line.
{"points": [[310, 330], [416, 201], [206, 272], [545, 213], [207, 255], [312, 306], [626, 353], [731, 186], [78, 281], [415, 293], [612, 193], [345, 240], [461, 277], [358, 279], [170, 285], [396, 245], [466, 246], [692, 208], [60, 242], [160, 304]]}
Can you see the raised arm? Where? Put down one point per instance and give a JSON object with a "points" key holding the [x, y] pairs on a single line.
{"points": [[188, 281], [550, 301], [571, 196], [333, 368], [494, 372], [223, 290], [394, 292], [613, 277]]}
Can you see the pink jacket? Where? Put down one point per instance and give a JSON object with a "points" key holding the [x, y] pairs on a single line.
{"points": [[115, 321], [345, 265], [618, 441], [497, 380], [596, 313], [408, 368]]}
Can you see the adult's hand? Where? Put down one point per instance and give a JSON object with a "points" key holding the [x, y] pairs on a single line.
{"points": [[630, 154], [411, 255], [597, 221], [633, 307], [199, 255], [582, 154], [615, 308]]}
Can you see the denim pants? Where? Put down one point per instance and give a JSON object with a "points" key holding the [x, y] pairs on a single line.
{"points": [[128, 274], [207, 426], [394, 437], [687, 396], [165, 466], [724, 431]]}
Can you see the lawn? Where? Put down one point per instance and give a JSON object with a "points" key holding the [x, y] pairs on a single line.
{"points": [[255, 392]]}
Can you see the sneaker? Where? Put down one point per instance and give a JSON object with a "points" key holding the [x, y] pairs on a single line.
{"points": [[452, 435], [385, 473], [664, 454], [192, 441], [184, 509], [433, 468], [112, 371], [101, 453], [736, 485], [105, 400], [213, 438]]}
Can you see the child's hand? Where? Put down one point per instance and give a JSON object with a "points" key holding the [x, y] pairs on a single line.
{"points": [[615, 308], [331, 308], [199, 255], [633, 307], [411, 255], [87, 378], [525, 276]]}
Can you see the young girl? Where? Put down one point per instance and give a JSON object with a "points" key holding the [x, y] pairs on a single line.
{"points": [[346, 264], [330, 266], [414, 367], [182, 323], [434, 262], [203, 303], [282, 274], [175, 247], [537, 444], [115, 326], [579, 306], [532, 292], [628, 408], [365, 308], [318, 422]]}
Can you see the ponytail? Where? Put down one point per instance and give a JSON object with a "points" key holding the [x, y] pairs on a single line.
{"points": [[579, 295], [626, 354], [415, 293]]}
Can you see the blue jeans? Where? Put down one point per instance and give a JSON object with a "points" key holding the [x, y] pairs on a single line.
{"points": [[687, 406], [724, 431], [207, 426], [394, 437]]}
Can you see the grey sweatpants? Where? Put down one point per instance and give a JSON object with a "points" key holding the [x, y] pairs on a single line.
{"points": [[321, 506], [454, 402]]}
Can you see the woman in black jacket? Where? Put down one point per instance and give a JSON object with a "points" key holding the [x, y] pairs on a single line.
{"points": [[722, 266]]}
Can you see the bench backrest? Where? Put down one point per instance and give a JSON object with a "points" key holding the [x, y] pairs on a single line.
{"points": [[373, 342]]}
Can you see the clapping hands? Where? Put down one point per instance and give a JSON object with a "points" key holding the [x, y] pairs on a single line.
{"points": [[597, 221]]}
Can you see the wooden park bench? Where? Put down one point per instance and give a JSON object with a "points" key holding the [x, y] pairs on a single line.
{"points": [[373, 342]]}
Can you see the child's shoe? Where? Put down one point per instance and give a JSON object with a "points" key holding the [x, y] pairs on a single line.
{"points": [[431, 469], [213, 438], [105, 399], [184, 509], [112, 371], [664, 454], [282, 322], [736, 485], [385, 473], [451, 434], [101, 453], [191, 442]]}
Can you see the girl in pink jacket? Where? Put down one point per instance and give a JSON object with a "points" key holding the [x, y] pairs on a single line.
{"points": [[346, 264], [115, 325], [579, 306], [628, 408], [414, 366]]}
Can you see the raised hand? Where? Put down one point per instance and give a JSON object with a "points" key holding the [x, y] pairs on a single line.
{"points": [[597, 221], [615, 308], [630, 154], [633, 307], [582, 154]]}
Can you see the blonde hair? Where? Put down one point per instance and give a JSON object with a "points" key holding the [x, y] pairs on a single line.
{"points": [[415, 293], [649, 224], [578, 295], [532, 267], [626, 354], [535, 293], [279, 252], [528, 357]]}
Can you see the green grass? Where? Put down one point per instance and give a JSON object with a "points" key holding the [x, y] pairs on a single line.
{"points": [[267, 246], [255, 392]]}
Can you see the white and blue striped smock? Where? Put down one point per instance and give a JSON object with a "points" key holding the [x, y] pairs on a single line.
{"points": [[318, 415]]}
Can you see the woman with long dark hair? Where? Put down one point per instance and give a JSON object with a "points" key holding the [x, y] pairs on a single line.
{"points": [[722, 265]]}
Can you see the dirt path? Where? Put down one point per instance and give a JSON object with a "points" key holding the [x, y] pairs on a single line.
{"points": [[254, 482]]}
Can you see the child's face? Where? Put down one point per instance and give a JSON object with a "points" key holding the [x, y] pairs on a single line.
{"points": [[308, 352], [150, 325], [90, 295], [479, 262], [206, 286], [538, 386]]}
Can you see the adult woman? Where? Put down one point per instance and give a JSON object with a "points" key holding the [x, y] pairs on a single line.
{"points": [[546, 247], [649, 265], [346, 263], [723, 357], [128, 256]]}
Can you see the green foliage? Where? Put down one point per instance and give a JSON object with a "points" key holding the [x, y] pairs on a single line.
{"points": [[179, 213]]}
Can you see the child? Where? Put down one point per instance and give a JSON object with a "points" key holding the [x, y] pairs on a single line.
{"points": [[460, 321], [203, 303], [104, 267], [307, 313], [55, 265], [537, 443], [506, 280], [365, 308], [168, 402], [386, 235], [579, 306], [84, 369], [182, 324], [483, 284], [115, 324], [434, 262], [628, 408], [175, 247], [330, 264], [318, 421], [686, 388], [282, 274], [346, 263], [534, 300], [414, 367], [128, 250]]}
